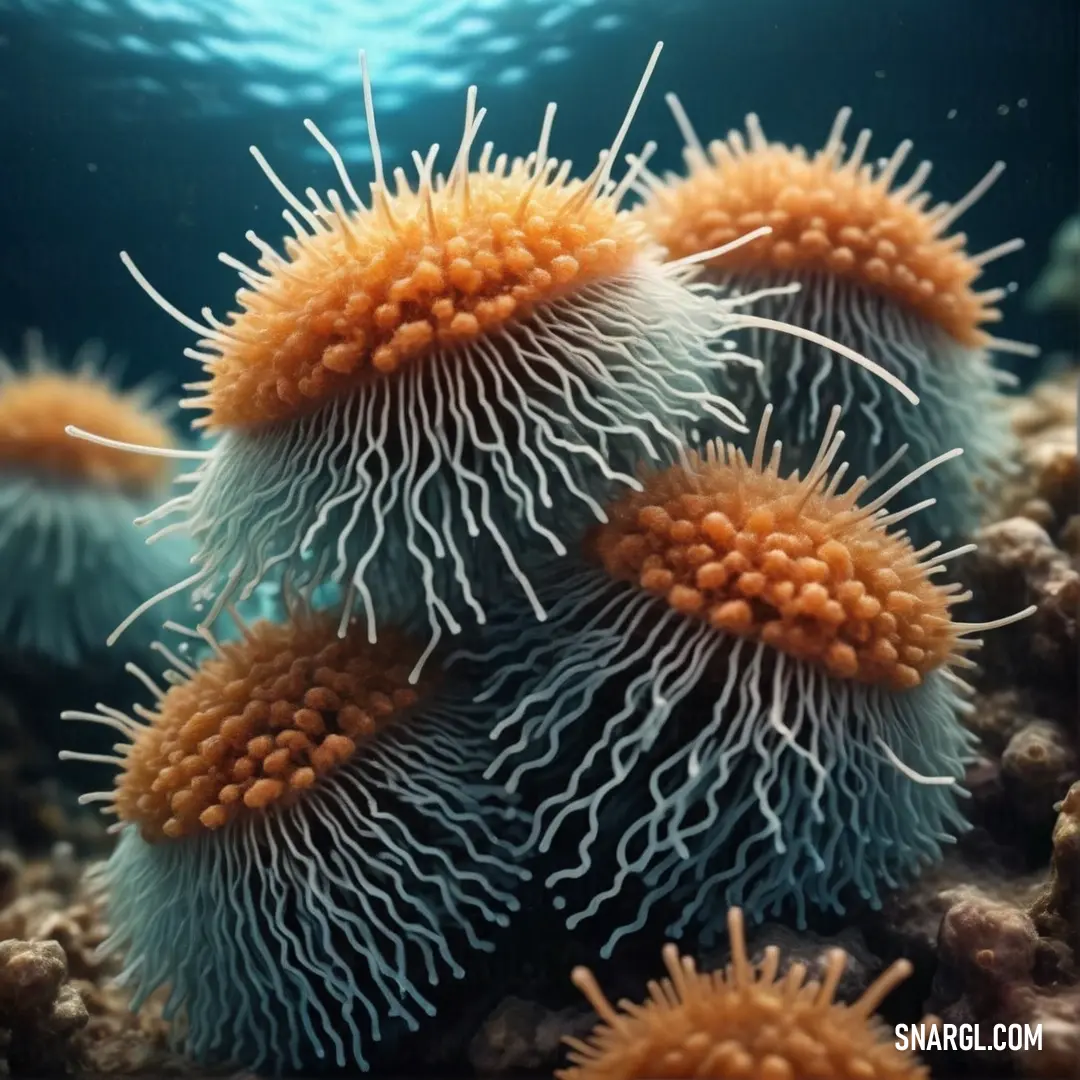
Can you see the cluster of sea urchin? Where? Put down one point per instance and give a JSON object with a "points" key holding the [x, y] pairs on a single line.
{"points": [[66, 507], [422, 388], [420, 401]]}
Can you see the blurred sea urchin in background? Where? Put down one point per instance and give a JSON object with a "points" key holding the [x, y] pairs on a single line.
{"points": [[74, 563]]}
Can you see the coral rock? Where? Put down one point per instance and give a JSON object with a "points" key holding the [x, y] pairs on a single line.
{"points": [[86, 1021], [1046, 486], [1058, 1014], [1039, 764], [38, 1009], [1017, 562], [998, 715], [910, 922], [522, 1035], [31, 974], [988, 942], [1057, 911]]}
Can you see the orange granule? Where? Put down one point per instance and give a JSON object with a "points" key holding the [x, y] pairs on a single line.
{"points": [[373, 289], [264, 718], [36, 407], [746, 1022], [826, 214], [784, 562]]}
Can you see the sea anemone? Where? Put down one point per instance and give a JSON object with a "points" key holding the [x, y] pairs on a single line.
{"points": [[747, 697], [876, 268], [424, 383], [305, 839], [747, 1021], [74, 564]]}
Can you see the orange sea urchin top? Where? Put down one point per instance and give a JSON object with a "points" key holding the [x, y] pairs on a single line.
{"points": [[36, 407], [263, 718], [830, 214], [783, 560], [362, 290], [744, 1022], [371, 290]]}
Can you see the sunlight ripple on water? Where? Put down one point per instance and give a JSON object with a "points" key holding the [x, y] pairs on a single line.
{"points": [[292, 52]]}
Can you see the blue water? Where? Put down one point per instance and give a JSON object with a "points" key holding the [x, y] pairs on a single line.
{"points": [[126, 123]]}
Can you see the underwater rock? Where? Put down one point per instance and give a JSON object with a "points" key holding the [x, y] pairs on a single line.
{"points": [[1032, 551], [998, 715], [1025, 763], [1003, 957], [988, 943], [44, 899], [992, 942], [523, 1036], [49, 912], [1046, 484], [1057, 910], [1058, 1013], [1038, 765], [910, 919], [39, 1010], [1026, 708], [11, 870], [1017, 561], [116, 1041]]}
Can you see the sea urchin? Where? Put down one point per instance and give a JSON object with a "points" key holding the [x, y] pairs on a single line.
{"points": [[745, 1022], [74, 564], [748, 697], [304, 837], [877, 269]]}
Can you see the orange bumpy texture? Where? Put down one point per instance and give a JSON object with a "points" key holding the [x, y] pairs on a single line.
{"points": [[825, 217], [34, 410], [756, 555], [745, 1022], [368, 294], [261, 722]]}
